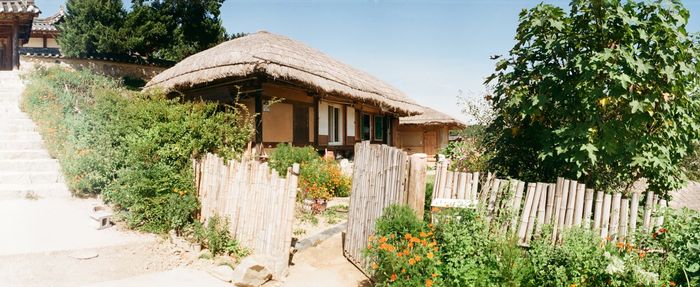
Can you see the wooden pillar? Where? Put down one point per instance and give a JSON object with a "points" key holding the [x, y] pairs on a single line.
{"points": [[316, 119], [15, 43], [385, 126], [416, 183], [258, 118], [45, 42]]}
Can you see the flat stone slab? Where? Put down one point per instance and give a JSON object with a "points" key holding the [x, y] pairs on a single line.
{"points": [[180, 277]]}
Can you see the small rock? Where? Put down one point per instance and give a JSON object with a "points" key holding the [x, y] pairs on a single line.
{"points": [[252, 271], [223, 273], [83, 255]]}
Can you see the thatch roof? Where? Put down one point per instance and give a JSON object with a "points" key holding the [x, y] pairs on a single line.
{"points": [[279, 57], [431, 117]]}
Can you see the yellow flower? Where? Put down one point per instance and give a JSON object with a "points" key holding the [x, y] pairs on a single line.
{"points": [[430, 255], [374, 265]]}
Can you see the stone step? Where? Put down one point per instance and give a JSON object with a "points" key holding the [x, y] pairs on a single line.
{"points": [[12, 178], [22, 136], [24, 154], [21, 145], [29, 165], [33, 191]]}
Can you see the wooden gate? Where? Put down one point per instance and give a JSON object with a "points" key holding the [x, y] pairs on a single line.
{"points": [[383, 176], [258, 203]]}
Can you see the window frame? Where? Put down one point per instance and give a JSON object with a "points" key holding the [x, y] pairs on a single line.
{"points": [[335, 125]]}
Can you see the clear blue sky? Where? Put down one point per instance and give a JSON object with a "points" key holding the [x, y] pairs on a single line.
{"points": [[428, 49]]}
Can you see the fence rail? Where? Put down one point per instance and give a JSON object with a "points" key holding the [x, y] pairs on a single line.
{"points": [[258, 203], [383, 176], [525, 208]]}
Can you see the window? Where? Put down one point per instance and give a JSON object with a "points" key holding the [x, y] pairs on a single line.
{"points": [[334, 126], [366, 127], [378, 127]]}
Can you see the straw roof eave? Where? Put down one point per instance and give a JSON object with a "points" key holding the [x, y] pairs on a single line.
{"points": [[431, 117], [278, 57]]}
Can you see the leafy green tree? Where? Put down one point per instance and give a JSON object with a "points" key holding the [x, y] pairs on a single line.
{"points": [[174, 29], [606, 93], [92, 26]]}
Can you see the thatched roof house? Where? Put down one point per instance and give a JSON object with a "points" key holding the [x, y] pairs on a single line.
{"points": [[344, 104], [427, 132]]}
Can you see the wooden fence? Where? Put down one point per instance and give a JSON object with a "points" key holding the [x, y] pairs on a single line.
{"points": [[258, 203], [383, 176], [525, 208]]}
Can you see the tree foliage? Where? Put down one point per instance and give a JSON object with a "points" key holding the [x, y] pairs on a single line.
{"points": [[91, 27], [606, 94], [160, 29]]}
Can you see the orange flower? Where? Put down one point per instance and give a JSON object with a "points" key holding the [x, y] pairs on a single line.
{"points": [[369, 245], [407, 236], [608, 238], [430, 255], [415, 240], [435, 209], [642, 254], [392, 236], [423, 234], [423, 242], [573, 285], [428, 283], [399, 254], [430, 225], [403, 270], [418, 258], [434, 275], [393, 277], [620, 245], [672, 284], [374, 265], [411, 261], [383, 239]]}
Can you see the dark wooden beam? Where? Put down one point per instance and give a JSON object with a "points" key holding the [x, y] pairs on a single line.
{"points": [[316, 106], [258, 118], [15, 43]]}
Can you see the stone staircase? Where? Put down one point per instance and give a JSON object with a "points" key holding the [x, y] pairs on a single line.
{"points": [[26, 169]]}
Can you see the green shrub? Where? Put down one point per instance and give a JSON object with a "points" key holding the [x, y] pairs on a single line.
{"points": [[472, 256], [403, 251], [134, 148], [216, 237], [284, 155], [579, 260]]}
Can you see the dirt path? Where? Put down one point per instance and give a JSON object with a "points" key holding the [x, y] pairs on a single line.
{"points": [[323, 266]]}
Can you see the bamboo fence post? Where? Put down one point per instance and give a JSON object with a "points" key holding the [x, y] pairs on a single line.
{"points": [[468, 186], [475, 186], [605, 220], [615, 215], [549, 210], [647, 211], [516, 205], [660, 210], [541, 207], [447, 191], [533, 213], [624, 217], [598, 213], [557, 206], [587, 208], [634, 213], [564, 202], [492, 198], [525, 215], [462, 186], [571, 203], [578, 211]]}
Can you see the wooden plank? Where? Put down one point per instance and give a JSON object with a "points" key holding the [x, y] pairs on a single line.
{"points": [[557, 207], [564, 202], [541, 206], [475, 186], [598, 212], [416, 185], [533, 213]]}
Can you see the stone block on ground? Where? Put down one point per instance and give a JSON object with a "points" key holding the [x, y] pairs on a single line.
{"points": [[223, 273], [253, 271]]}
